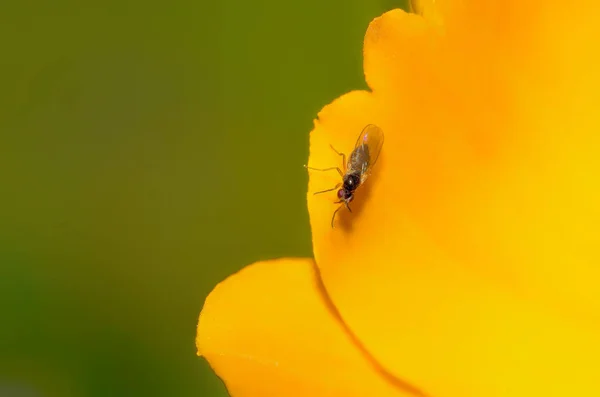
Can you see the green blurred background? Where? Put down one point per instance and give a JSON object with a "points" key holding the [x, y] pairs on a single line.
{"points": [[147, 151]]}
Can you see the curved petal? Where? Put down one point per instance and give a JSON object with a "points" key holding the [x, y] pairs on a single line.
{"points": [[469, 264], [268, 331], [399, 48], [429, 9]]}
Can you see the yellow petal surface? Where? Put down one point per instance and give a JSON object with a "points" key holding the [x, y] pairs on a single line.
{"points": [[470, 263], [268, 331], [431, 10]]}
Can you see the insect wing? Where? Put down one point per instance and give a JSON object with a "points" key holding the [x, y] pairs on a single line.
{"points": [[370, 142]]}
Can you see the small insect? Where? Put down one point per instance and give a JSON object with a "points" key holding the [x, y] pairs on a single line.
{"points": [[358, 168]]}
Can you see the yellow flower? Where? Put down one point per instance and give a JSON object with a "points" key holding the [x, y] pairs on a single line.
{"points": [[470, 265]]}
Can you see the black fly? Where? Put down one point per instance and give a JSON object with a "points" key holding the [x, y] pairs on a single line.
{"points": [[359, 165]]}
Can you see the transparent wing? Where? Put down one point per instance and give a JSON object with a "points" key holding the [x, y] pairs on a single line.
{"points": [[368, 147]]}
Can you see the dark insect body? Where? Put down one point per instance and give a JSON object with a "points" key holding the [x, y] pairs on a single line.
{"points": [[358, 167]]}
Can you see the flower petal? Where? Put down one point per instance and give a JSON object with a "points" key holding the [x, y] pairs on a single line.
{"points": [[394, 51], [429, 9], [469, 263], [268, 331]]}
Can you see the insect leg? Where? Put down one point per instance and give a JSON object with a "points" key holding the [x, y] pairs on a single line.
{"points": [[329, 190], [326, 169], [341, 154]]}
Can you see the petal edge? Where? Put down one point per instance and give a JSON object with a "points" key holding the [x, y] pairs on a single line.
{"points": [[267, 331]]}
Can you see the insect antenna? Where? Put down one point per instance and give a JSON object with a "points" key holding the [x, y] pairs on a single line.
{"points": [[334, 213], [344, 203]]}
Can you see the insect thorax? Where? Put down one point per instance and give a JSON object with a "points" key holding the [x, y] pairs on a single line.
{"points": [[351, 180]]}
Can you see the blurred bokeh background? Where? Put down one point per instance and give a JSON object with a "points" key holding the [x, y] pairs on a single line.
{"points": [[147, 151]]}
